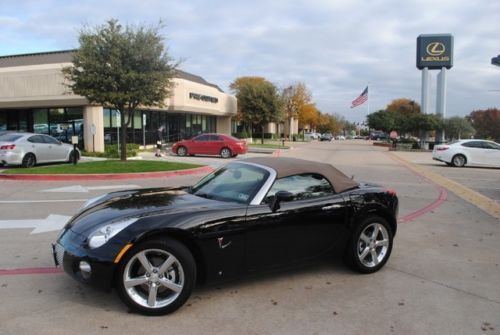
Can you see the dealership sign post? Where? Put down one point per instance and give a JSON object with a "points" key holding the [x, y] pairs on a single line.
{"points": [[435, 52]]}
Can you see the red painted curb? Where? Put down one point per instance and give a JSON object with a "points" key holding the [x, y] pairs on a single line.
{"points": [[412, 216], [118, 176], [29, 271]]}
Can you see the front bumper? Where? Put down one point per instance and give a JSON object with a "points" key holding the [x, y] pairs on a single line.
{"points": [[69, 251]]}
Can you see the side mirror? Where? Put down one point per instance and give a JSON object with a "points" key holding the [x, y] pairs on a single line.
{"points": [[279, 197]]}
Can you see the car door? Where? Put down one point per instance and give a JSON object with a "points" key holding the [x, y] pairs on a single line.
{"points": [[304, 227], [57, 152], [474, 152], [221, 240], [491, 153], [215, 144], [199, 145], [37, 145]]}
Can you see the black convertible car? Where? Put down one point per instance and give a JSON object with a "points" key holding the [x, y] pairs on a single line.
{"points": [[153, 245]]}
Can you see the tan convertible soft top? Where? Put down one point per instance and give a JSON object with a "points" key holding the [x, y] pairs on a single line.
{"points": [[285, 166]]}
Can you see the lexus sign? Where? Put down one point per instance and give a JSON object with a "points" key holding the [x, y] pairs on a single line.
{"points": [[435, 51]]}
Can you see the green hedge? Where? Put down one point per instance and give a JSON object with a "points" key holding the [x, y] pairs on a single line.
{"points": [[111, 151]]}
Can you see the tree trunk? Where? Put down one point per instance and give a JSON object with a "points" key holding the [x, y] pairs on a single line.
{"points": [[262, 134], [123, 137]]}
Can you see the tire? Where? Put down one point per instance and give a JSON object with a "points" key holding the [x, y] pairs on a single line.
{"points": [[225, 152], [70, 158], [458, 160], [370, 245], [182, 151], [29, 160], [156, 291]]}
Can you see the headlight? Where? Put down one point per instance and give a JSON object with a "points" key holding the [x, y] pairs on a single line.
{"points": [[92, 201], [106, 232]]}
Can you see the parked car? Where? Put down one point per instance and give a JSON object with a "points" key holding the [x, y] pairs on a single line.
{"points": [[211, 144], [326, 137], [468, 152], [29, 149], [153, 245], [378, 135], [311, 136]]}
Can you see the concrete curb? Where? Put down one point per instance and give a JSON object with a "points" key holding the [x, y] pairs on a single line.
{"points": [[118, 176], [486, 204]]}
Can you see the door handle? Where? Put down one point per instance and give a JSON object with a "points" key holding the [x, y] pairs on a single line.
{"points": [[331, 207]]}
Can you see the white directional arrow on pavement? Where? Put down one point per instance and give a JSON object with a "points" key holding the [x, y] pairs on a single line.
{"points": [[86, 189], [53, 222]]}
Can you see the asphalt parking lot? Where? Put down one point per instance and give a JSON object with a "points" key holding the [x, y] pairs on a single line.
{"points": [[442, 277]]}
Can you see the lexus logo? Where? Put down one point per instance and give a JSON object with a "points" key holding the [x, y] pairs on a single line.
{"points": [[435, 49]]}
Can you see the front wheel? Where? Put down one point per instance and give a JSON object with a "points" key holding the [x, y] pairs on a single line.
{"points": [[370, 245], [156, 277], [182, 151]]}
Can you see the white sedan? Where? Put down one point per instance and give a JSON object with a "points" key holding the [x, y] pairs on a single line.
{"points": [[468, 152], [28, 149]]}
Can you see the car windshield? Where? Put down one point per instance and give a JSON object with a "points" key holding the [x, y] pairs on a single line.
{"points": [[10, 137], [235, 182]]}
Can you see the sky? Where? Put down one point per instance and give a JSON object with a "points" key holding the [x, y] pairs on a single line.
{"points": [[334, 47]]}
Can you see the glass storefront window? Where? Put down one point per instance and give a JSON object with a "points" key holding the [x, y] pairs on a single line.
{"points": [[138, 120], [3, 120], [114, 118], [41, 121], [106, 117]]}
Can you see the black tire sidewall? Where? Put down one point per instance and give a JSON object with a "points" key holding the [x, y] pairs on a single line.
{"points": [[351, 255], [181, 149], [25, 160], [225, 156], [180, 252], [453, 160]]}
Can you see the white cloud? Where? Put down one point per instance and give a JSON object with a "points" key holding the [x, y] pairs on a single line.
{"points": [[335, 47]]}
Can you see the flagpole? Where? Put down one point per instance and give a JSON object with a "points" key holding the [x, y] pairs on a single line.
{"points": [[368, 97]]}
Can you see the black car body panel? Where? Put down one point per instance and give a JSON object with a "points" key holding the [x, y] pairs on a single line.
{"points": [[227, 229]]}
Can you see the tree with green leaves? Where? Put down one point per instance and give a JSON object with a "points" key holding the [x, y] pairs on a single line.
{"points": [[381, 120], [259, 102], [457, 127], [122, 68]]}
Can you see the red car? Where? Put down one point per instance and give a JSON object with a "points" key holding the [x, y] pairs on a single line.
{"points": [[211, 144]]}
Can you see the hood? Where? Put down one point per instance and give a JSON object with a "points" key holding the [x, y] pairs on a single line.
{"points": [[118, 206]]}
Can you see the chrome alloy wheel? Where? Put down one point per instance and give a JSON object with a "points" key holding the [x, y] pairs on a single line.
{"points": [[153, 278], [373, 244], [225, 153], [458, 160]]}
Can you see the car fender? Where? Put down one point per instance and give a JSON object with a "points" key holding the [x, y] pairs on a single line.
{"points": [[362, 211]]}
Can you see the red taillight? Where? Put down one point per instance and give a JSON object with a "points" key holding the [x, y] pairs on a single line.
{"points": [[442, 148], [8, 147], [390, 191]]}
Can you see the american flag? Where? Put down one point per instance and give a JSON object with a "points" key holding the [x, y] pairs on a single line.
{"points": [[361, 99]]}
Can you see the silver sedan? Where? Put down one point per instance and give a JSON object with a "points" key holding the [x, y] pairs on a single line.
{"points": [[28, 149]]}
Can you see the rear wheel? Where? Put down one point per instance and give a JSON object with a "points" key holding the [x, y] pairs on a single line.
{"points": [[370, 245], [182, 151], [458, 160], [156, 277], [225, 152], [29, 160]]}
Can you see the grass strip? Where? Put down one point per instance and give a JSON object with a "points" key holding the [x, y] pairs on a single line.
{"points": [[104, 167]]}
